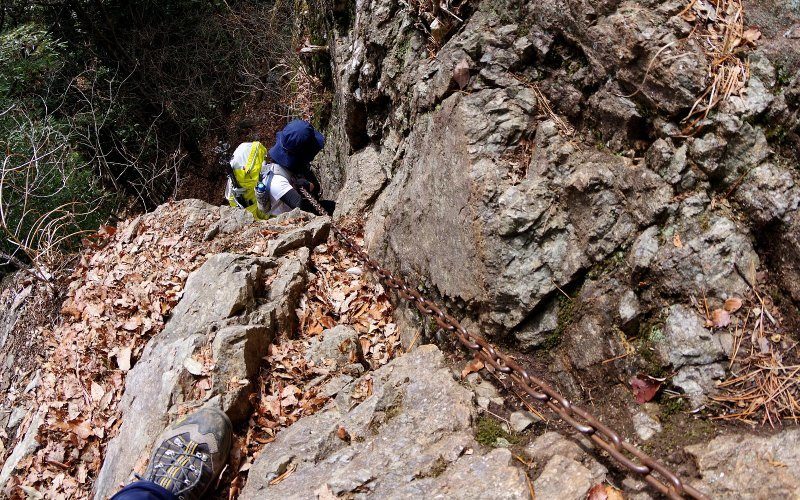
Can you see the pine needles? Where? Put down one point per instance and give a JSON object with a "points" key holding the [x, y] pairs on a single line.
{"points": [[719, 26]]}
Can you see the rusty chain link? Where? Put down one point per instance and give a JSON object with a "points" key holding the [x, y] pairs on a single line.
{"points": [[584, 422]]}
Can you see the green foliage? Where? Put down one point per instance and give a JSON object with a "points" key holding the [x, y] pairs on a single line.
{"points": [[122, 96], [672, 406], [612, 262], [783, 75], [650, 335], [777, 134], [50, 193], [28, 56]]}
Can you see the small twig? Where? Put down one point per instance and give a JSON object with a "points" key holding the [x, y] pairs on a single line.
{"points": [[560, 290], [609, 360], [414, 340], [490, 412]]}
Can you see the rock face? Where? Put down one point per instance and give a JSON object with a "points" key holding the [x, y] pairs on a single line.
{"points": [[212, 347], [693, 351], [544, 150], [729, 466], [375, 448], [568, 472]]}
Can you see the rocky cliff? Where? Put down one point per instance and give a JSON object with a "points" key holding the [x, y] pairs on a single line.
{"points": [[607, 189], [567, 159]]}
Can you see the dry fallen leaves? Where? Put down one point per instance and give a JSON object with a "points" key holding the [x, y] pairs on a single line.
{"points": [[289, 387], [124, 358], [720, 318], [461, 74], [719, 28], [472, 367], [604, 491], [644, 388], [119, 295], [764, 381], [751, 35], [343, 434], [733, 304]]}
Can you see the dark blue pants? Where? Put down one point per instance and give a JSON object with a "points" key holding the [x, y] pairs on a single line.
{"points": [[143, 490]]}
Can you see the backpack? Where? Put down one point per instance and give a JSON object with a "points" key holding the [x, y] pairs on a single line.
{"points": [[246, 170]]}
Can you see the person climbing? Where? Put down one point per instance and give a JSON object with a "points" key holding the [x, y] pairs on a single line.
{"points": [[188, 459], [267, 189]]}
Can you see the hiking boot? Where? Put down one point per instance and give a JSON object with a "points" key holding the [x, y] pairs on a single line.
{"points": [[191, 454]]}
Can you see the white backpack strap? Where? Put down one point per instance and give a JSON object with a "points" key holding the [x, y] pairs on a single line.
{"points": [[278, 170]]}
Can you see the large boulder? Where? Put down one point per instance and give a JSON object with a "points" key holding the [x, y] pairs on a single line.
{"points": [[208, 354], [374, 448]]}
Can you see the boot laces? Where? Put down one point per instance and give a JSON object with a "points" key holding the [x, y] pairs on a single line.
{"points": [[183, 469]]}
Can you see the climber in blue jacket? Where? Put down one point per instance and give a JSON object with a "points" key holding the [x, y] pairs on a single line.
{"points": [[280, 175], [190, 455]]}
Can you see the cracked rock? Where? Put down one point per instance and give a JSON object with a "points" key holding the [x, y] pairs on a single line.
{"points": [[224, 322], [388, 456]]}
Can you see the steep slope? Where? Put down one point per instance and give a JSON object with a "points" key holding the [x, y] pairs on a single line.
{"points": [[606, 189]]}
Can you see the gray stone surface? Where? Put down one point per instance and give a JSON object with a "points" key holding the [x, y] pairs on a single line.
{"points": [[628, 307], [693, 351], [367, 175], [24, 447], [335, 348], [699, 382], [577, 449], [551, 484], [224, 322], [747, 466], [710, 246], [615, 117], [687, 340], [769, 193], [485, 391], [535, 331], [387, 455], [645, 425], [521, 420], [568, 472]]}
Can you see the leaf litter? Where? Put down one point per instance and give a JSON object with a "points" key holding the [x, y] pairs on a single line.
{"points": [[120, 294], [289, 386], [720, 30], [644, 388], [764, 382]]}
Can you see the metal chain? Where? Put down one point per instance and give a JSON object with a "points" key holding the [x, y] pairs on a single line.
{"points": [[584, 422]]}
